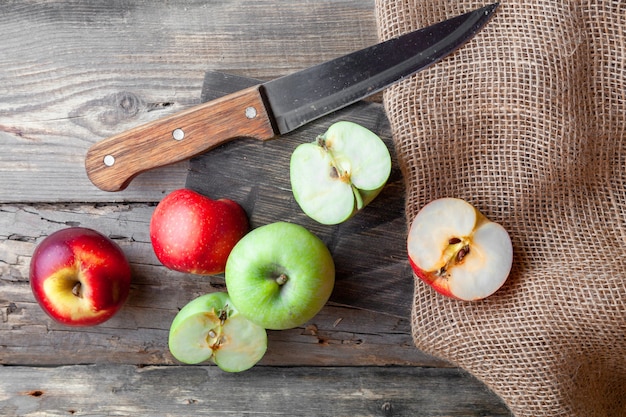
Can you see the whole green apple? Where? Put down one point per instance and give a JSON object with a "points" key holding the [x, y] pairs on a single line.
{"points": [[280, 275]]}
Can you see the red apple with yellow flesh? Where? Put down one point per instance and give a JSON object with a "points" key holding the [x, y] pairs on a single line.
{"points": [[458, 251], [192, 233], [79, 277]]}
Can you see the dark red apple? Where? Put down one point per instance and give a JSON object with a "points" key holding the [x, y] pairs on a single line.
{"points": [[79, 276], [193, 233]]}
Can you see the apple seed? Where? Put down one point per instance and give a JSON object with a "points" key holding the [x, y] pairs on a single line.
{"points": [[454, 241], [462, 253]]}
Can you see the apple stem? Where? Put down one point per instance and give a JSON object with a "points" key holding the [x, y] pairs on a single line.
{"points": [[321, 141], [223, 315], [76, 290], [282, 279]]}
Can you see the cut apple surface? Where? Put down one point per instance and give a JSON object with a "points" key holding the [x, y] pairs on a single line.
{"points": [[458, 251], [209, 327], [340, 173]]}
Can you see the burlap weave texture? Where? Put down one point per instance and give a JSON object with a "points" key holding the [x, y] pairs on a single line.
{"points": [[527, 122]]}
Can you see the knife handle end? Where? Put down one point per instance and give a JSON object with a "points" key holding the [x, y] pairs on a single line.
{"points": [[112, 163]]}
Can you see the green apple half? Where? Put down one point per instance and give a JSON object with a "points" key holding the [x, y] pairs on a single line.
{"points": [[280, 275], [210, 327], [340, 173]]}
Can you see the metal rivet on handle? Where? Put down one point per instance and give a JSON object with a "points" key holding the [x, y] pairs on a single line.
{"points": [[109, 160], [178, 134], [250, 112]]}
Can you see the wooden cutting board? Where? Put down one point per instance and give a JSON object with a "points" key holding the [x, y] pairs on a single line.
{"points": [[372, 270]]}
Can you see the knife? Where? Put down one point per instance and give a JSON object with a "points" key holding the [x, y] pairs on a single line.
{"points": [[277, 107]]}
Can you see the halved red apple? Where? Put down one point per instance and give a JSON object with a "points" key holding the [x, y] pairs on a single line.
{"points": [[458, 251]]}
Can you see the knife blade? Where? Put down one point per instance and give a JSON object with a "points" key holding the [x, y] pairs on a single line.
{"points": [[279, 106]]}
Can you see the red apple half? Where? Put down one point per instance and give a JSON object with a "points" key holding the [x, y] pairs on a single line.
{"points": [[79, 276], [458, 251], [193, 233]]}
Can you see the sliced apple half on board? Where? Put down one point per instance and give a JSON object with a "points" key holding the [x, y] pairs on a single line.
{"points": [[209, 327], [458, 251], [340, 173]]}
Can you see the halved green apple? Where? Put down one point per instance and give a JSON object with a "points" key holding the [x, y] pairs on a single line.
{"points": [[340, 173], [209, 327]]}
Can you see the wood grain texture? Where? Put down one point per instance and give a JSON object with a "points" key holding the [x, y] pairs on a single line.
{"points": [[339, 335], [207, 391], [72, 73]]}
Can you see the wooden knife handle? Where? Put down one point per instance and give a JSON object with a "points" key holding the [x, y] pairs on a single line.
{"points": [[113, 162]]}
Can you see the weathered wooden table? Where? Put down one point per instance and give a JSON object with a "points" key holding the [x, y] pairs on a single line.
{"points": [[73, 72]]}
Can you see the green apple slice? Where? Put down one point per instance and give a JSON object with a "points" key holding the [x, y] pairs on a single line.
{"points": [[340, 173], [327, 198], [209, 327]]}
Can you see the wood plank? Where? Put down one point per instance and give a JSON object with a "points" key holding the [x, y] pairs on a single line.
{"points": [[207, 391], [74, 73], [369, 249], [138, 334]]}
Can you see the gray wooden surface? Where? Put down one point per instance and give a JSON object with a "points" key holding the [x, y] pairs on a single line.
{"points": [[73, 72]]}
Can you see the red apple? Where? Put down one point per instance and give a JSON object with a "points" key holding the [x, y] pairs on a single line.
{"points": [[458, 251], [79, 276], [193, 233]]}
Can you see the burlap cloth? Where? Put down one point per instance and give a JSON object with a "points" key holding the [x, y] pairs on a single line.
{"points": [[527, 122]]}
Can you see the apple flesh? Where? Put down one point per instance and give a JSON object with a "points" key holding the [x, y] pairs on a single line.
{"points": [[195, 234], [79, 277], [210, 327], [340, 173], [458, 251], [280, 275]]}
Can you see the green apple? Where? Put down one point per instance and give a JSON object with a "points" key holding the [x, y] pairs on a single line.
{"points": [[280, 275], [210, 327], [340, 173]]}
